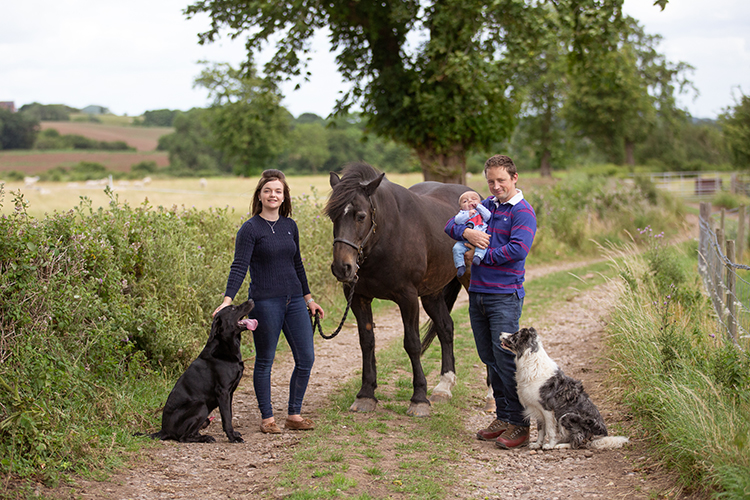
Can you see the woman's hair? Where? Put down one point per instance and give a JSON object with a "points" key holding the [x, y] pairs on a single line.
{"points": [[285, 210]]}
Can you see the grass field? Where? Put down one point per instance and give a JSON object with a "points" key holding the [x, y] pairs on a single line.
{"points": [[223, 192]]}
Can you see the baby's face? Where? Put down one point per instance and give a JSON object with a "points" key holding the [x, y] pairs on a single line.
{"points": [[469, 201]]}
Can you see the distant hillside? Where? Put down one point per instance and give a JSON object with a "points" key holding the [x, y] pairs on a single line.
{"points": [[141, 138]]}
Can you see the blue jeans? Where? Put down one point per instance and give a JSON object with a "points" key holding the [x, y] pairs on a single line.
{"points": [[274, 315], [491, 315]]}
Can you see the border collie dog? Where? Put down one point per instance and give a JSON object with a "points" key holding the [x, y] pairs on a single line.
{"points": [[565, 416]]}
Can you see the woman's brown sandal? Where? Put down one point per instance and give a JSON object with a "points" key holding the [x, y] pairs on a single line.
{"points": [[299, 425], [270, 428]]}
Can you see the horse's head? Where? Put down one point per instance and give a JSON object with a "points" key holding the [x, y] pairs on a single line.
{"points": [[351, 209]]}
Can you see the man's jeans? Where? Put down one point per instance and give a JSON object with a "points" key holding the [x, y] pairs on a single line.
{"points": [[491, 315]]}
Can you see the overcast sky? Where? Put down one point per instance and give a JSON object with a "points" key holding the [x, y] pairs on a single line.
{"points": [[141, 55]]}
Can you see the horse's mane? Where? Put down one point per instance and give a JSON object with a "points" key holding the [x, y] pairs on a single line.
{"points": [[352, 177]]}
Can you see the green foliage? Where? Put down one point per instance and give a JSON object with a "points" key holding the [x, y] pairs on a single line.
{"points": [[12, 175], [318, 145], [248, 124], [48, 112], [735, 122], [17, 130], [158, 118], [729, 201], [452, 93], [143, 168], [190, 148]]}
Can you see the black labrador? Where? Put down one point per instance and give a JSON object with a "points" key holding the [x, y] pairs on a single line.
{"points": [[209, 381]]}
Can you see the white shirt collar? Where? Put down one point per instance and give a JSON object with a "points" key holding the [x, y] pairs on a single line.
{"points": [[513, 201]]}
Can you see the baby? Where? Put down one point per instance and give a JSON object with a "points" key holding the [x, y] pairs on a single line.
{"points": [[475, 216]]}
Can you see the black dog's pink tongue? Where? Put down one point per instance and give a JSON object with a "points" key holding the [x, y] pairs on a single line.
{"points": [[250, 324]]}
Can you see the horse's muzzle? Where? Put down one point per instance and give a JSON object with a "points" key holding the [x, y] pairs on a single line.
{"points": [[344, 272]]}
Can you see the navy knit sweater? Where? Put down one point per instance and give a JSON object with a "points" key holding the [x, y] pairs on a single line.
{"points": [[273, 258]]}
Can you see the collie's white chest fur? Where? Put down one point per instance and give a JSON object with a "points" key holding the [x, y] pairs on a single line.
{"points": [[533, 369]]}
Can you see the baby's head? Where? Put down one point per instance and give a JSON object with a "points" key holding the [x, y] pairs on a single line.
{"points": [[469, 200]]}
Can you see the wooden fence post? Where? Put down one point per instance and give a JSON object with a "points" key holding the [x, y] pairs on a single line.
{"points": [[723, 216], [730, 281], [740, 233], [717, 277]]}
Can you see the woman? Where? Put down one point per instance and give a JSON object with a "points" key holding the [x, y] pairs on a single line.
{"points": [[268, 245]]}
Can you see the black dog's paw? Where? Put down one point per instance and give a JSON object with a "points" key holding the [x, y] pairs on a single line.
{"points": [[236, 437]]}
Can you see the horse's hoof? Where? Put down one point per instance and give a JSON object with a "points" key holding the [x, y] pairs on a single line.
{"points": [[489, 405], [440, 397], [364, 405], [419, 410]]}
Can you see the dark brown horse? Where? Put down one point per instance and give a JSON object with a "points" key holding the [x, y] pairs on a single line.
{"points": [[389, 244]]}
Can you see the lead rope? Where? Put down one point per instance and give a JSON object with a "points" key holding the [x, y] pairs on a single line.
{"points": [[316, 320]]}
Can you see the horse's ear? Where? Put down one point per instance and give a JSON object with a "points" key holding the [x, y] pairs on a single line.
{"points": [[335, 179], [371, 186]]}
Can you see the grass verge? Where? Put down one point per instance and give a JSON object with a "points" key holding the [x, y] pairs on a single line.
{"points": [[689, 389]]}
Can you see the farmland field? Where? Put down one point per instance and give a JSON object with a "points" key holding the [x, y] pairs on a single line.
{"points": [[144, 139], [32, 162], [141, 138]]}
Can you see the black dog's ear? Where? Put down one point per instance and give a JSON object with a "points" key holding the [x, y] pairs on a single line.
{"points": [[216, 325]]}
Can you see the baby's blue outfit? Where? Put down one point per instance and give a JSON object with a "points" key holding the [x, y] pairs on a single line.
{"points": [[479, 222]]}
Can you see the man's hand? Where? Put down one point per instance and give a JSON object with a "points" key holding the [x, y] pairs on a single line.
{"points": [[477, 238]]}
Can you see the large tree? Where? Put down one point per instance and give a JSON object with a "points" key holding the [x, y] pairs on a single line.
{"points": [[247, 121], [618, 94], [735, 122], [437, 76], [17, 130]]}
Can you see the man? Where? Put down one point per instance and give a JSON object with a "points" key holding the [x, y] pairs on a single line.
{"points": [[496, 293]]}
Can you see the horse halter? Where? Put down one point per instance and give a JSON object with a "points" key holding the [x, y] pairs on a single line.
{"points": [[360, 248]]}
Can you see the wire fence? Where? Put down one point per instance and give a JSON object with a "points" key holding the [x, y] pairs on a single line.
{"points": [[725, 280], [700, 185]]}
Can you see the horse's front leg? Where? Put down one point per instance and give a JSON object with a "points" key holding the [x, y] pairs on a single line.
{"points": [[362, 309], [409, 305], [437, 310]]}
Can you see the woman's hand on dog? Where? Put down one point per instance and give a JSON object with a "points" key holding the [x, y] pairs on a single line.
{"points": [[227, 301]]}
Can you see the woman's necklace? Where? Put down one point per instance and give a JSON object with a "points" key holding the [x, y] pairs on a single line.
{"points": [[271, 225]]}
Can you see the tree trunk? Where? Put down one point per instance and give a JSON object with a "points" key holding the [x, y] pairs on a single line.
{"points": [[443, 167], [545, 168], [630, 152]]}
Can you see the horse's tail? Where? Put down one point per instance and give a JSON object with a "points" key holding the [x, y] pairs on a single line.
{"points": [[450, 294]]}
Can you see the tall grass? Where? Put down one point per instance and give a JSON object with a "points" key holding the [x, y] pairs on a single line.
{"points": [[690, 389]]}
